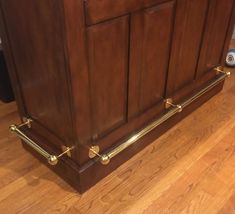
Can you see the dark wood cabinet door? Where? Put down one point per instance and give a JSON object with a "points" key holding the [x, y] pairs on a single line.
{"points": [[108, 73], [150, 38], [97, 11], [187, 36], [216, 29]]}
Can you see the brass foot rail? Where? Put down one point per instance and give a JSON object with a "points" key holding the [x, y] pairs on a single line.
{"points": [[106, 157], [52, 159]]}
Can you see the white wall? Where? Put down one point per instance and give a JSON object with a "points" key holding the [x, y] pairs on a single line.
{"points": [[234, 34]]}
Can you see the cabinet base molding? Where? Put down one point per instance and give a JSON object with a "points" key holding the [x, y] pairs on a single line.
{"points": [[87, 175]]}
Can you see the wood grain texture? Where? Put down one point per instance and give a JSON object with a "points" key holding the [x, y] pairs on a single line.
{"points": [[39, 57], [189, 23], [190, 169], [108, 74], [149, 56], [97, 12], [217, 24]]}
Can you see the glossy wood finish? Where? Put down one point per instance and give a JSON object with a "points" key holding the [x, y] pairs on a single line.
{"points": [[78, 69], [39, 58], [99, 11], [108, 69], [188, 31], [190, 169], [217, 23], [95, 72], [149, 56]]}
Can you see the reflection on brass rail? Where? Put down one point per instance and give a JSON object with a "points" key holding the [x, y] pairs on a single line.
{"points": [[174, 109], [52, 159]]}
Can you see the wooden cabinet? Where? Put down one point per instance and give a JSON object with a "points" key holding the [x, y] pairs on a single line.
{"points": [[95, 77], [219, 14], [189, 28], [150, 45]]}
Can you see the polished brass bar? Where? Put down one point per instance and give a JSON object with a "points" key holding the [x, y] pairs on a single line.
{"points": [[52, 159], [220, 79], [106, 157], [169, 103], [219, 70]]}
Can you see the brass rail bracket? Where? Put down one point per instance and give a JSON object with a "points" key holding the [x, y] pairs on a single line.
{"points": [[52, 159], [220, 70], [94, 151], [173, 109], [66, 151], [169, 103], [26, 122]]}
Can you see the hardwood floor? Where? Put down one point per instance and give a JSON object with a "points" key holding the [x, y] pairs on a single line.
{"points": [[190, 169]]}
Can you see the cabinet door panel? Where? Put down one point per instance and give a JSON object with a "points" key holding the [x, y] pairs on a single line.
{"points": [[108, 70], [214, 38], [189, 25], [106, 9], [149, 55]]}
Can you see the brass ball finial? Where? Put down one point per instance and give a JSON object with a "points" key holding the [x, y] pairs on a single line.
{"points": [[180, 108], [53, 160], [12, 128], [228, 73], [105, 159]]}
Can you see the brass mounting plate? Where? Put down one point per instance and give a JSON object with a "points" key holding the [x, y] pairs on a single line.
{"points": [[66, 150], [168, 103], [93, 151], [27, 122], [219, 70]]}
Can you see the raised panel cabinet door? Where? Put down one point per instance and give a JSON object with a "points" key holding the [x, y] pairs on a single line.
{"points": [[216, 29], [187, 36], [97, 11], [108, 72], [150, 38]]}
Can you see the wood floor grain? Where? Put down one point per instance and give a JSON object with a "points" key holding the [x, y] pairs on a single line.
{"points": [[190, 169]]}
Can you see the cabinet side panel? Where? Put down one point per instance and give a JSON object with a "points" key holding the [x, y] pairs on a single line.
{"points": [[149, 56], [108, 69], [189, 25], [78, 66], [35, 35], [214, 38]]}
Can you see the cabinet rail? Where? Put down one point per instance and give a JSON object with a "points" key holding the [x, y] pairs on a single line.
{"points": [[52, 159], [105, 158]]}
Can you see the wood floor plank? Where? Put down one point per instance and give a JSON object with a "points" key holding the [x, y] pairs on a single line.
{"points": [[193, 194], [229, 207]]}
